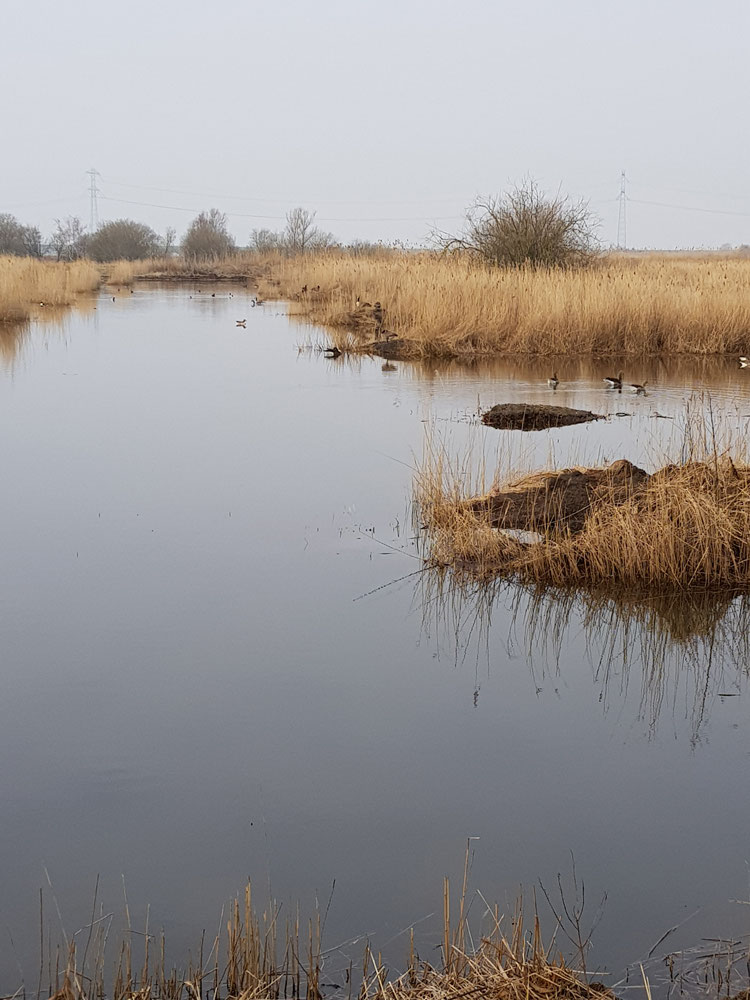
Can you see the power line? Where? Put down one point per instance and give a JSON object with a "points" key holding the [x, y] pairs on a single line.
{"points": [[249, 215], [622, 233], [93, 192], [272, 201], [689, 208]]}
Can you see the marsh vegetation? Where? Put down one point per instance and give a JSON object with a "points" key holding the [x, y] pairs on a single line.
{"points": [[686, 525]]}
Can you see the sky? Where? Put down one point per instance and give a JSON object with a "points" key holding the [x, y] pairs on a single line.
{"points": [[387, 118]]}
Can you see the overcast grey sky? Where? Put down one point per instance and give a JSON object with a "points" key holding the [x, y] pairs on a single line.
{"points": [[387, 117]]}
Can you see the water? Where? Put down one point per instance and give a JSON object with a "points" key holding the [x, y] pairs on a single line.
{"points": [[209, 672]]}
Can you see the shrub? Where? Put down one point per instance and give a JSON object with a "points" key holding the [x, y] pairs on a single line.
{"points": [[525, 227], [123, 239], [208, 236]]}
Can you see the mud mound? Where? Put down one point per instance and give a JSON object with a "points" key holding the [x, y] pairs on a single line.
{"points": [[534, 416], [558, 501], [394, 349]]}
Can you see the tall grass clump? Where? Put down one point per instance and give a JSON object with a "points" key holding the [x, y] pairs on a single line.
{"points": [[266, 957], [455, 306], [686, 526], [27, 284]]}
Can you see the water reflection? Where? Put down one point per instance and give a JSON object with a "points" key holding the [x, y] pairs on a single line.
{"points": [[682, 653]]}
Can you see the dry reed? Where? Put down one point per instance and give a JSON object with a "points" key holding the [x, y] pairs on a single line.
{"points": [[687, 526], [258, 957], [27, 284], [451, 307]]}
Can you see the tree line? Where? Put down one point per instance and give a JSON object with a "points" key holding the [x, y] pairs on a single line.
{"points": [[522, 227], [207, 236]]}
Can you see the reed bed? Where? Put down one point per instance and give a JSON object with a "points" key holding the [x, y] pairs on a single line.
{"points": [[448, 306], [27, 284], [686, 526], [260, 957]]}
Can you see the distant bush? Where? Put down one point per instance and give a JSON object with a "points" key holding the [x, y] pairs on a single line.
{"points": [[525, 227], [208, 236], [299, 236], [123, 239], [17, 239]]}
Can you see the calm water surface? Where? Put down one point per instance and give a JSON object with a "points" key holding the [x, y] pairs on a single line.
{"points": [[219, 659]]}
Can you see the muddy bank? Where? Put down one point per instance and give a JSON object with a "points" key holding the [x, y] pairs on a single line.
{"points": [[556, 501], [535, 416]]}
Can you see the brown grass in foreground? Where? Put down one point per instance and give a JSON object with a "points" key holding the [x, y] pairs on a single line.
{"points": [[27, 284], [262, 956], [443, 306], [685, 526]]}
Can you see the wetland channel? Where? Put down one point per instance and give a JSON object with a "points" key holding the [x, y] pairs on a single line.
{"points": [[220, 658]]}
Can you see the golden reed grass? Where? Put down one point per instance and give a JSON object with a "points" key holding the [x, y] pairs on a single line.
{"points": [[687, 526], [26, 284], [449, 306], [261, 957]]}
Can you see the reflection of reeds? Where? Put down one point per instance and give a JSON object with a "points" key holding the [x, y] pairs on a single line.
{"points": [[449, 306], [696, 642]]}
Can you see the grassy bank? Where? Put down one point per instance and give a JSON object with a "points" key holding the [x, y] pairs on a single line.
{"points": [[451, 307], [27, 284], [685, 526]]}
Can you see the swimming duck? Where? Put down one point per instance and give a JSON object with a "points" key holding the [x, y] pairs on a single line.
{"points": [[744, 362], [554, 381], [614, 382], [638, 388]]}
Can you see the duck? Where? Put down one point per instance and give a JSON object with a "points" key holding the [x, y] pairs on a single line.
{"points": [[744, 362], [638, 387], [241, 322], [256, 301], [332, 352], [554, 381], [614, 382]]}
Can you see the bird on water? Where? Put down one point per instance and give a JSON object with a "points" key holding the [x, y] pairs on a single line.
{"points": [[554, 381], [614, 382], [744, 362], [638, 387]]}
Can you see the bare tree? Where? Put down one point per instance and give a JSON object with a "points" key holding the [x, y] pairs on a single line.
{"points": [[208, 236], [123, 239], [265, 241], [302, 235], [169, 242], [68, 239], [525, 227]]}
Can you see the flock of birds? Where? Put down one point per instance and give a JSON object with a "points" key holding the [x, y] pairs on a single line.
{"points": [[612, 381], [615, 381]]}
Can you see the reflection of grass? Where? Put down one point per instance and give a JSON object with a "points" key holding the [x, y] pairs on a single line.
{"points": [[697, 641], [26, 282], [449, 306], [687, 526]]}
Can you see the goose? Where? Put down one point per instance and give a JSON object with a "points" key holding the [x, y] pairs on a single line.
{"points": [[332, 352], [554, 381], [638, 388], [614, 382], [744, 362]]}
